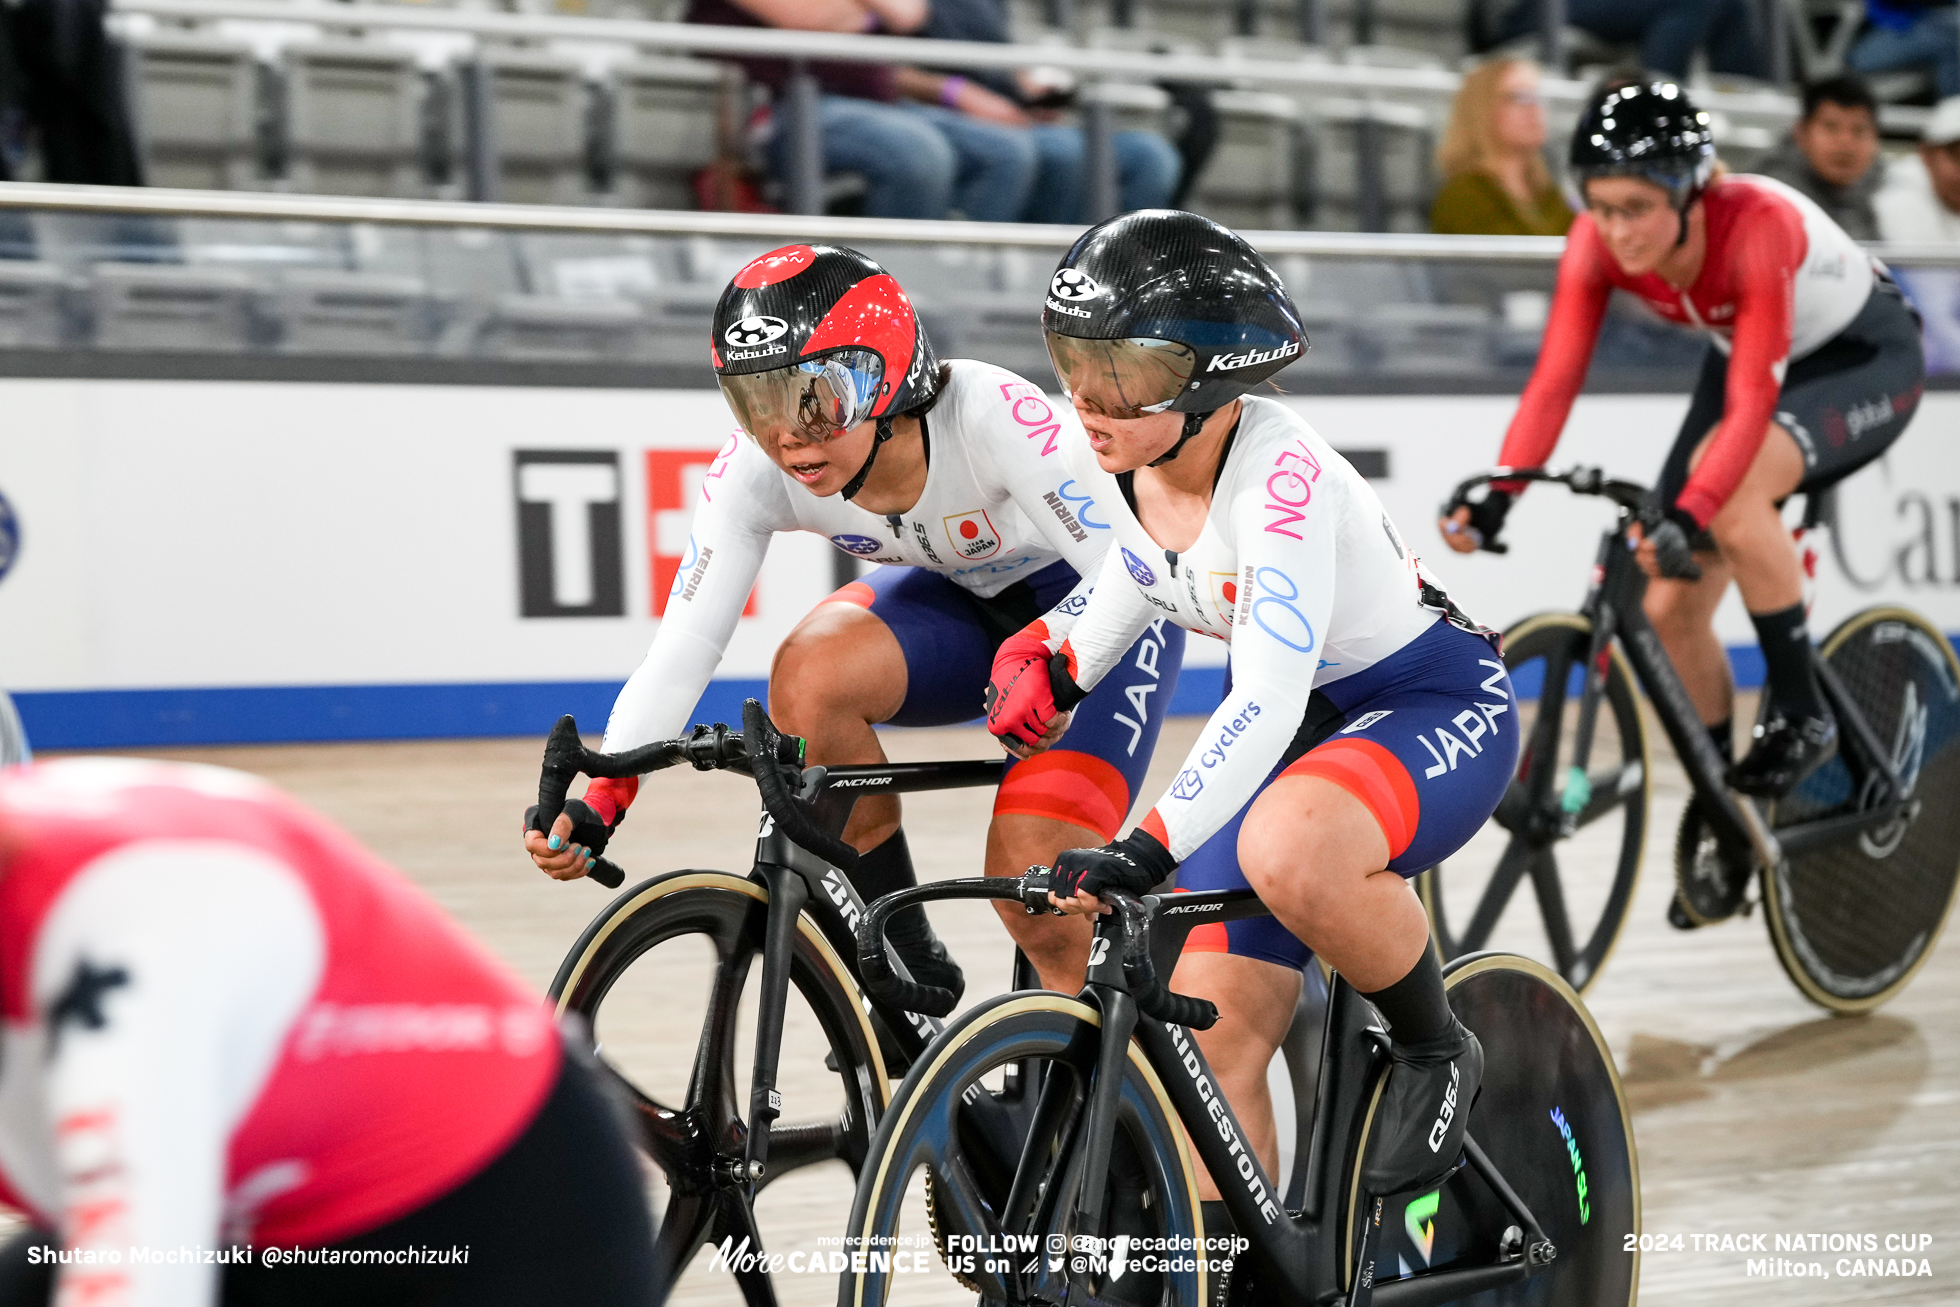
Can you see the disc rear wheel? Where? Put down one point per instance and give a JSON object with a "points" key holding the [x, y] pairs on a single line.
{"points": [[1852, 920]]}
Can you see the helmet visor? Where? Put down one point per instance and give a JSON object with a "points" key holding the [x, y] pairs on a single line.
{"points": [[816, 399], [1121, 378]]}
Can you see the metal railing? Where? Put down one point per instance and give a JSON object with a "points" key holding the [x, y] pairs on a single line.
{"points": [[267, 207], [801, 48]]}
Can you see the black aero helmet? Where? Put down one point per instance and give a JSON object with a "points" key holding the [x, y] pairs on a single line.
{"points": [[819, 338], [1649, 130], [1165, 311]]}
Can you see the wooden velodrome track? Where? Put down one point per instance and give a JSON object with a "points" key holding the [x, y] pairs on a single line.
{"points": [[1755, 1112]]}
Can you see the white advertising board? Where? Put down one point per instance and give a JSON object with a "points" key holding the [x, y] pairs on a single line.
{"points": [[303, 545]]}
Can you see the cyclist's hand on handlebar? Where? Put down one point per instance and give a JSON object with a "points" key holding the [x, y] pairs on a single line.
{"points": [[1136, 864], [1666, 549], [1469, 527], [576, 839]]}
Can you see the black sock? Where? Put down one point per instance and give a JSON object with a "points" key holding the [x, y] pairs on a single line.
{"points": [[883, 870], [1415, 1006], [1723, 733], [1786, 654]]}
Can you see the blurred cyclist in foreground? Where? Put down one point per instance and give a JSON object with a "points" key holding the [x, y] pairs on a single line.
{"points": [[228, 1025]]}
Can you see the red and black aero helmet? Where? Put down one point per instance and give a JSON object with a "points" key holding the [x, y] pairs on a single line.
{"points": [[819, 338]]}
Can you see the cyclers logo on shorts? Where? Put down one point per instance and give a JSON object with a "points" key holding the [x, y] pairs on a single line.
{"points": [[1139, 569], [1228, 1130], [862, 546], [1252, 358]]}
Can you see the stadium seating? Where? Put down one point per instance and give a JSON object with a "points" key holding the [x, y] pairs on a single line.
{"points": [[353, 119], [664, 114], [33, 304], [161, 306], [198, 111]]}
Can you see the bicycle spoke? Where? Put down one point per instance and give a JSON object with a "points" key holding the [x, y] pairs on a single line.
{"points": [[711, 1088], [1055, 1113], [1551, 906], [793, 1146], [955, 1190], [683, 1229], [1497, 894], [1610, 791], [659, 1126], [738, 1223]]}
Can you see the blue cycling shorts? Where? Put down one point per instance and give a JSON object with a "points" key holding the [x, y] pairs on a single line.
{"points": [[1427, 739], [949, 637]]}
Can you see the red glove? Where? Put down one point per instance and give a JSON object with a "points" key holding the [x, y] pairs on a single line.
{"points": [[610, 798], [1020, 698]]}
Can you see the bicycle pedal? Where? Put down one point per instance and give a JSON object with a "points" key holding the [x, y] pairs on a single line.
{"points": [[1677, 916]]}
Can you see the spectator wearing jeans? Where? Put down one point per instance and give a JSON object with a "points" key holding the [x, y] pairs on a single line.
{"points": [[1147, 165], [1492, 159], [920, 161], [1668, 31], [1831, 155], [1920, 205], [1911, 34]]}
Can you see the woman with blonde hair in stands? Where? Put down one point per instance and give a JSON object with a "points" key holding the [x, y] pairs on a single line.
{"points": [[1495, 182]]}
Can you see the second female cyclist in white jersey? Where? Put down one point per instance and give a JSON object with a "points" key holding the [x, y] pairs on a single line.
{"points": [[953, 475], [1368, 731]]}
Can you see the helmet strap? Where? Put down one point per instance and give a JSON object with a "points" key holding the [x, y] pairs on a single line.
{"points": [[1193, 424], [856, 483], [1693, 196]]}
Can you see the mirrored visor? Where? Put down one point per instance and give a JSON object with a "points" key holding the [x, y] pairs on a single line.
{"points": [[1121, 378], [816, 399]]}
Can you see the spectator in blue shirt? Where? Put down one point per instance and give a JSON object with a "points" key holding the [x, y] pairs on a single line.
{"points": [[1911, 34]]}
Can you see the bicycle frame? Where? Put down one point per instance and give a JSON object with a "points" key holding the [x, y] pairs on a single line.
{"points": [[1614, 606], [1313, 1256], [799, 881]]}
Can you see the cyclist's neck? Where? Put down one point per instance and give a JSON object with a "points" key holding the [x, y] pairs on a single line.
{"points": [[1681, 269], [1172, 500], [898, 478]]}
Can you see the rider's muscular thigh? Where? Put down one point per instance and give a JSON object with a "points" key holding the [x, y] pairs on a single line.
{"points": [[1317, 857], [1057, 946], [834, 677]]}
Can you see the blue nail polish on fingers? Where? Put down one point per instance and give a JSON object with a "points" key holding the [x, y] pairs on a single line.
{"points": [[554, 843]]}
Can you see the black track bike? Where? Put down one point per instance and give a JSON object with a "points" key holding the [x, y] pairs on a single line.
{"points": [[679, 950], [1048, 1133], [1857, 867]]}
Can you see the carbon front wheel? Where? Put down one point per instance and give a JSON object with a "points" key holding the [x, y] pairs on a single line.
{"points": [[978, 1162], [660, 974], [1552, 1120], [1574, 837], [1853, 920]]}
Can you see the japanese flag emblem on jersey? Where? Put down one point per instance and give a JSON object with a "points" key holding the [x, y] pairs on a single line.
{"points": [[1225, 594], [972, 535]]}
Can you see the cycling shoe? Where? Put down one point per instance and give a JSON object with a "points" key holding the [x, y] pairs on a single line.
{"points": [[1424, 1111], [1788, 748]]}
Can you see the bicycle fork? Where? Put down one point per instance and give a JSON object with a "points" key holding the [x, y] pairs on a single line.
{"points": [[787, 895]]}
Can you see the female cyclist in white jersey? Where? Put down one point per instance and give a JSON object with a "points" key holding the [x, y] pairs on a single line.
{"points": [[953, 475], [1368, 732]]}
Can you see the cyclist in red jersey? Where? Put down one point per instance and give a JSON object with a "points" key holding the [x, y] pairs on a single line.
{"points": [[244, 1062], [1814, 368]]}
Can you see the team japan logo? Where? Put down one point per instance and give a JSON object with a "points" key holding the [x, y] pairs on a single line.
{"points": [[972, 535], [1072, 285], [754, 330]]}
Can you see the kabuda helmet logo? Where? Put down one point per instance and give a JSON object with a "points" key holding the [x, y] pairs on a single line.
{"points": [[755, 330], [1070, 284]]}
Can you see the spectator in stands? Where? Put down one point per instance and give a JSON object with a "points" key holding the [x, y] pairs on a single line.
{"points": [[1911, 34], [71, 90], [1667, 31], [1495, 181], [1147, 165], [917, 162], [1920, 205], [1831, 155]]}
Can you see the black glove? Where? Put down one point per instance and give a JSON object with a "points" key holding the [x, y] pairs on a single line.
{"points": [[1486, 516], [1136, 864], [587, 828], [1673, 551]]}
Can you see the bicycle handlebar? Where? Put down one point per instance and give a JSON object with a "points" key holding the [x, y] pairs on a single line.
{"points": [[706, 748], [1031, 890], [1580, 480]]}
